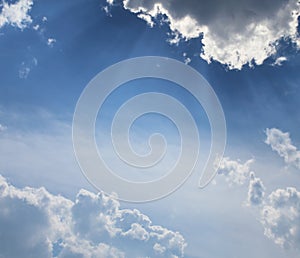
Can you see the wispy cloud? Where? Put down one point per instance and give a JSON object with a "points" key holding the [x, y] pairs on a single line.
{"points": [[2, 128], [26, 67]]}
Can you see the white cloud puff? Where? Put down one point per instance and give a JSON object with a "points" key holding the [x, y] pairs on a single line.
{"points": [[51, 42], [236, 172], [280, 60], [35, 223], [281, 217], [282, 144], [234, 33], [16, 14], [256, 191]]}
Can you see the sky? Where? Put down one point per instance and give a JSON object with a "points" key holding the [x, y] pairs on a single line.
{"points": [[248, 52]]}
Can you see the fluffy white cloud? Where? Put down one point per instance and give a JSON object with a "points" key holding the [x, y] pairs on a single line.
{"points": [[278, 213], [16, 14], [234, 33], [282, 144], [256, 191], [238, 173], [35, 223], [281, 217], [235, 172]]}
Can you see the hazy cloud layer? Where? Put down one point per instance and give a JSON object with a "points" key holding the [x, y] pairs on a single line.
{"points": [[35, 223], [2, 128], [235, 33]]}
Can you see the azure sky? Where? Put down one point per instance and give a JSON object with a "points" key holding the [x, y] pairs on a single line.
{"points": [[248, 51]]}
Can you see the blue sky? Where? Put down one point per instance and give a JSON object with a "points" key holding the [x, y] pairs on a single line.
{"points": [[248, 52]]}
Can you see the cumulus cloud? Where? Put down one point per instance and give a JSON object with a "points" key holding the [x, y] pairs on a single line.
{"points": [[281, 217], [35, 223], [256, 190], [233, 33], [278, 212], [16, 14], [235, 172], [238, 173], [282, 144]]}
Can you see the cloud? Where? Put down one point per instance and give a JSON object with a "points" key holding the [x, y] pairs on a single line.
{"points": [[235, 172], [51, 42], [238, 173], [35, 223], [281, 217], [279, 212], [233, 33], [39, 141], [26, 67], [280, 60], [24, 71], [187, 60], [282, 144], [256, 191], [16, 14], [147, 18], [2, 128], [110, 2]]}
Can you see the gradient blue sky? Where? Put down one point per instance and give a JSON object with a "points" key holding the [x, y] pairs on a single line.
{"points": [[41, 82]]}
